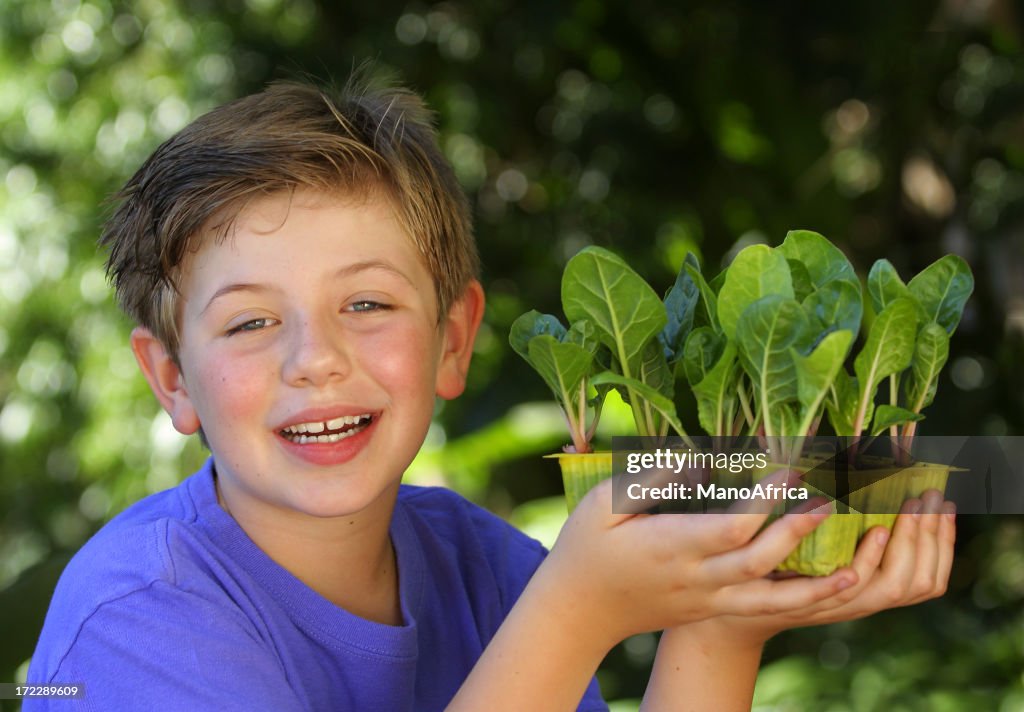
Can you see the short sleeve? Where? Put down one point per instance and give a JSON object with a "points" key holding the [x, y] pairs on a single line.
{"points": [[160, 648], [476, 561]]}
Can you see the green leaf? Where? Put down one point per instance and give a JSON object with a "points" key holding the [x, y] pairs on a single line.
{"points": [[703, 348], [603, 361], [787, 420], [654, 370], [659, 402], [562, 366], [802, 284], [817, 371], [716, 283], [842, 403], [708, 297], [581, 333], [716, 393], [562, 358], [930, 354], [824, 261], [816, 374], [888, 415], [532, 324], [836, 306], [885, 285], [889, 349], [941, 290], [757, 271], [890, 344], [768, 332], [680, 305], [600, 287]]}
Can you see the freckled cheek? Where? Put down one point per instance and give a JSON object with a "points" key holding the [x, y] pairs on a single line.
{"points": [[402, 359], [238, 390]]}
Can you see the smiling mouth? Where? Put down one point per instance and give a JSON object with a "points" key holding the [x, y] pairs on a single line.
{"points": [[330, 431]]}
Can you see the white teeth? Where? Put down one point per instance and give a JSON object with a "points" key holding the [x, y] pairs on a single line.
{"points": [[332, 438], [345, 420], [300, 429]]}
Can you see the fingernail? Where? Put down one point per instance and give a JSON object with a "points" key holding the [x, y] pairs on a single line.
{"points": [[915, 507], [949, 509], [844, 582], [882, 537]]}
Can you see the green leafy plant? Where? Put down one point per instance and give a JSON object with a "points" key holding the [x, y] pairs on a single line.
{"points": [[763, 346], [621, 335]]}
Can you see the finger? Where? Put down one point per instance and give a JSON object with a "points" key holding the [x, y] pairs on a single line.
{"points": [[869, 554], [704, 535], [767, 597], [898, 562], [596, 509], [947, 539], [767, 550], [848, 603], [927, 554], [717, 532], [649, 479]]}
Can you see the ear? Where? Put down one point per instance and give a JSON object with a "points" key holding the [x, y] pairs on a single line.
{"points": [[165, 379], [460, 327]]}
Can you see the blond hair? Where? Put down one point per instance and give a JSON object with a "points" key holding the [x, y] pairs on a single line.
{"points": [[289, 136]]}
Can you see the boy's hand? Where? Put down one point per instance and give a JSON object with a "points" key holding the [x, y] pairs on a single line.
{"points": [[614, 575], [910, 567], [721, 653]]}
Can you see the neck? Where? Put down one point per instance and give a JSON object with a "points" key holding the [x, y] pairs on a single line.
{"points": [[349, 560]]}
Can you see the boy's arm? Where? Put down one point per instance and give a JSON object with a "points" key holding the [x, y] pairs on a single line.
{"points": [[610, 576], [702, 672], [542, 657]]}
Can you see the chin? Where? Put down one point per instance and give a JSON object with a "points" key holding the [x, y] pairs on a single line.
{"points": [[327, 505]]}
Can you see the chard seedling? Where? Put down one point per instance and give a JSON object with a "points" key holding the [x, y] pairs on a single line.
{"points": [[765, 347], [621, 335], [762, 346]]}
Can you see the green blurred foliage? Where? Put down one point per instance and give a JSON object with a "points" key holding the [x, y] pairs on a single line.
{"points": [[653, 128]]}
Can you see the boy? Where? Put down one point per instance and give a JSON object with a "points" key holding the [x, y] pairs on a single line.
{"points": [[302, 270]]}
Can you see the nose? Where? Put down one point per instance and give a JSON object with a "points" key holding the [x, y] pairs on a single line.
{"points": [[316, 353]]}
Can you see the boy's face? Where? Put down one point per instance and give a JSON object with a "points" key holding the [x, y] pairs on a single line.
{"points": [[311, 354]]}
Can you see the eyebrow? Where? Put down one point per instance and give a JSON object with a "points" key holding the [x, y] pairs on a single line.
{"points": [[356, 267], [346, 271], [231, 289]]}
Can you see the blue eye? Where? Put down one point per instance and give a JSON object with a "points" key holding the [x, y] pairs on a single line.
{"points": [[251, 325], [366, 305]]}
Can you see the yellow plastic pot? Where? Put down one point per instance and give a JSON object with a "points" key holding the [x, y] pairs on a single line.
{"points": [[581, 472], [833, 544]]}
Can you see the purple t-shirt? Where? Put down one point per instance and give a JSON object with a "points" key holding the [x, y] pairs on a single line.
{"points": [[172, 607]]}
